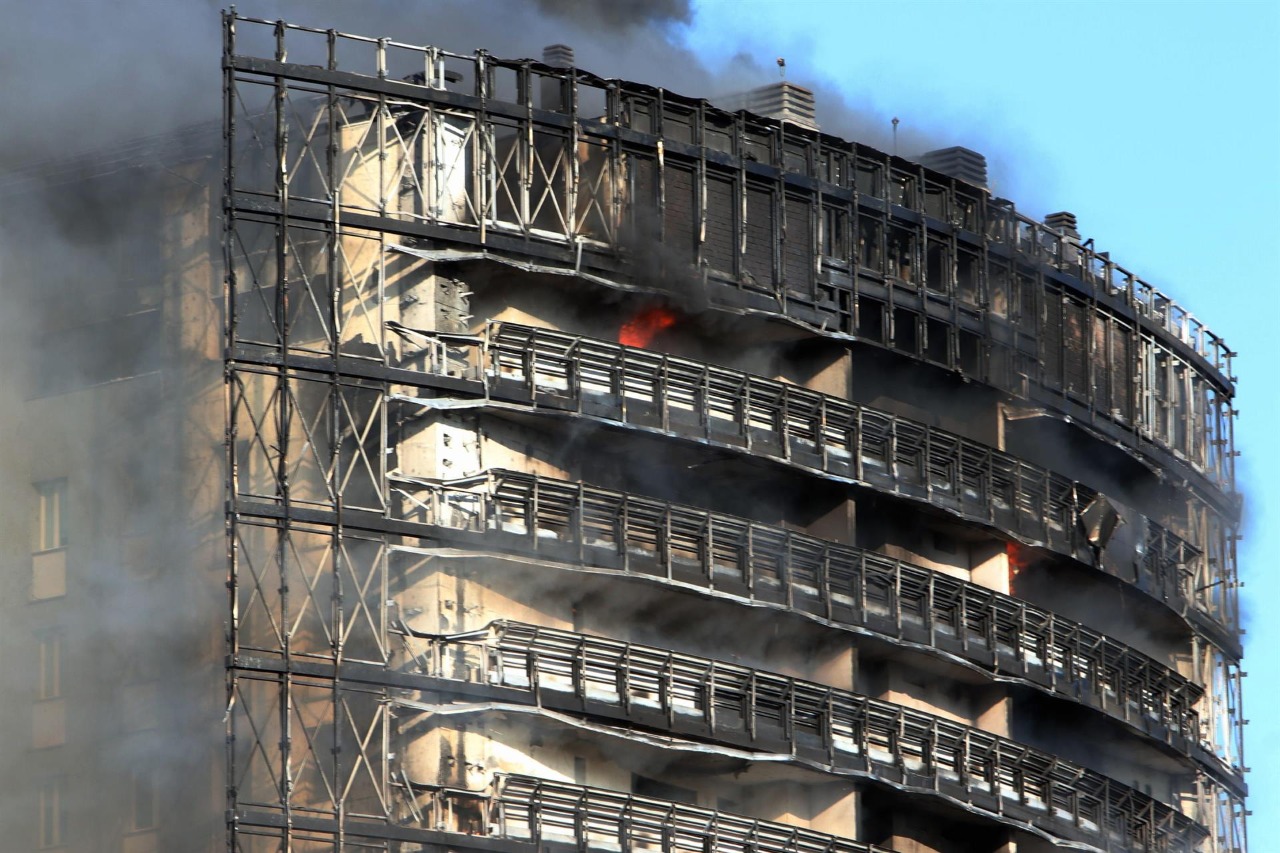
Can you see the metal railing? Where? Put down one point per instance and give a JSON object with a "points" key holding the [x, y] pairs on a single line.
{"points": [[834, 437], [832, 728], [466, 143], [844, 585], [601, 103], [526, 808]]}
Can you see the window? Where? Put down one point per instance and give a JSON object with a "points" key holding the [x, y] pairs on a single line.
{"points": [[49, 655], [52, 812], [143, 807], [51, 527]]}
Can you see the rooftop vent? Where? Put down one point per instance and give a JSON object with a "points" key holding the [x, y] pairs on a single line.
{"points": [[558, 55], [1063, 222], [784, 101], [556, 94], [958, 162]]}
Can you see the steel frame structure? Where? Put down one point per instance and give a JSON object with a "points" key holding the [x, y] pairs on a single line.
{"points": [[326, 186]]}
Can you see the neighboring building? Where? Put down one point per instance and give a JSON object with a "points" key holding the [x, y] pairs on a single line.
{"points": [[575, 464]]}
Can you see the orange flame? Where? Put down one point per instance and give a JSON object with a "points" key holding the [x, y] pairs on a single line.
{"points": [[641, 329], [1018, 560]]}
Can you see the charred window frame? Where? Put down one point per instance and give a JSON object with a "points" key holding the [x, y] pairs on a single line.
{"points": [[1000, 295], [833, 167], [798, 153], [870, 177], [902, 254], [968, 289], [835, 232], [937, 200], [871, 244], [902, 189], [679, 123], [939, 262]]}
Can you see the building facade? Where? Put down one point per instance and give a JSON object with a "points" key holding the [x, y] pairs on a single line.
{"points": [[582, 465]]}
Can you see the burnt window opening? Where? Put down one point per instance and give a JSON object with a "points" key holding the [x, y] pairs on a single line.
{"points": [[937, 343], [678, 123], [971, 354], [967, 278], [869, 248], [869, 177], [871, 320], [902, 254], [835, 233], [998, 284], [937, 255], [935, 200], [902, 190], [906, 336]]}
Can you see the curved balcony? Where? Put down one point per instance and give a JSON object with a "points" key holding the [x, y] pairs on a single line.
{"points": [[574, 375], [762, 216], [843, 586], [542, 811], [836, 730]]}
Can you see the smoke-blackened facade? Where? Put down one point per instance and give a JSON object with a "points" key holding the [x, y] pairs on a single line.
{"points": [[611, 469], [604, 469]]}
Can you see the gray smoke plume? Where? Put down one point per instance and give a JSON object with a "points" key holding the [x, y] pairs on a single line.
{"points": [[83, 77]]}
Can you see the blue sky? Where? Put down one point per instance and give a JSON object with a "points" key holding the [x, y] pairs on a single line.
{"points": [[1157, 124]]}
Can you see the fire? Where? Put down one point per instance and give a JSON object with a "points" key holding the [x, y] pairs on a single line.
{"points": [[641, 329], [1019, 559]]}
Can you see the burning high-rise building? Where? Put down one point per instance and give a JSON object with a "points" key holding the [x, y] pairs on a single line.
{"points": [[584, 466]]}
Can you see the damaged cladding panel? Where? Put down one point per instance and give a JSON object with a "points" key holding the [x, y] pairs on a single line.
{"points": [[609, 469]]}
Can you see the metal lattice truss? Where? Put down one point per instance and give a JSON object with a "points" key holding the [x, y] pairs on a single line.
{"points": [[348, 134], [343, 151]]}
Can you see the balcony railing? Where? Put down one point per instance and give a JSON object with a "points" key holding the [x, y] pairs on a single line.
{"points": [[541, 811], [852, 443], [463, 151], [841, 584], [824, 726]]}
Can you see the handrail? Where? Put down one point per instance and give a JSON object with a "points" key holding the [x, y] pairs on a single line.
{"points": [[835, 728], [612, 128], [839, 583], [528, 808], [375, 57], [837, 438]]}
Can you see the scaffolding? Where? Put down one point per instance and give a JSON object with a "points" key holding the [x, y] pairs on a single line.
{"points": [[352, 164]]}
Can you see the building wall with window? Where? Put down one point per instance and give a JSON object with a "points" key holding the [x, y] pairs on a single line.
{"points": [[113, 558]]}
